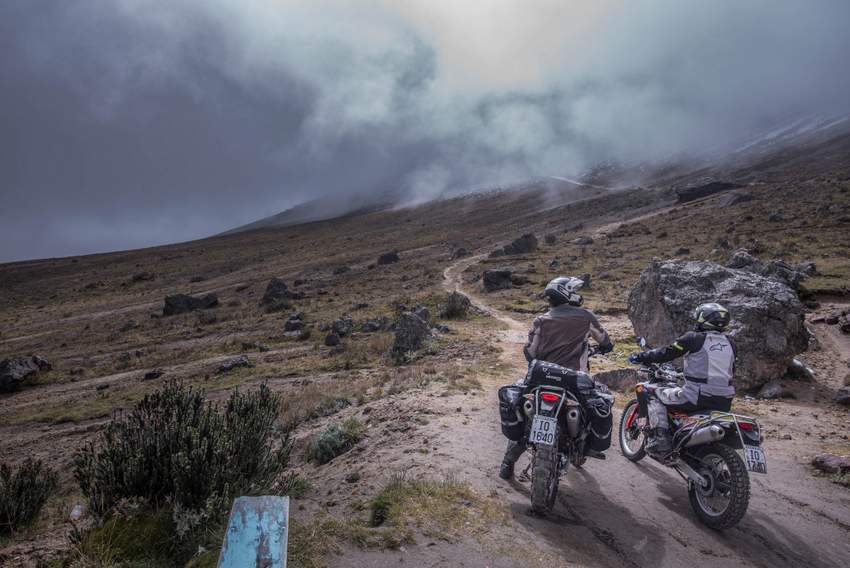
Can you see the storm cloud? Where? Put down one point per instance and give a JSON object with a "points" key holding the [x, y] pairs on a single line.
{"points": [[132, 123]]}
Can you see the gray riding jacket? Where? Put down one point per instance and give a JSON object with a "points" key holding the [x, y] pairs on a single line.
{"points": [[709, 363]]}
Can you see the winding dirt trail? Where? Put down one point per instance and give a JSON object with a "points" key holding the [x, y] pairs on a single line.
{"points": [[616, 513]]}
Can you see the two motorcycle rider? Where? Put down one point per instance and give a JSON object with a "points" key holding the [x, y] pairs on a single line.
{"points": [[561, 336]]}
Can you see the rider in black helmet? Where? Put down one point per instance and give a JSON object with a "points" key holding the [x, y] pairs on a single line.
{"points": [[559, 336], [709, 364]]}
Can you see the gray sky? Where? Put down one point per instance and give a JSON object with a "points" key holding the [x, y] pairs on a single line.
{"points": [[131, 123]]}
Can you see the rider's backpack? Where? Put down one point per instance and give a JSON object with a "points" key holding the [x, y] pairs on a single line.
{"points": [[510, 412]]}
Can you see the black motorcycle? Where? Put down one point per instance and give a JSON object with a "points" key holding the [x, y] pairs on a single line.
{"points": [[565, 418], [705, 450]]}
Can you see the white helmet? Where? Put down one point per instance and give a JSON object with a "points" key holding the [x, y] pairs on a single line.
{"points": [[564, 289]]}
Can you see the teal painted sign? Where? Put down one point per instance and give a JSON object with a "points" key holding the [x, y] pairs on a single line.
{"points": [[257, 533]]}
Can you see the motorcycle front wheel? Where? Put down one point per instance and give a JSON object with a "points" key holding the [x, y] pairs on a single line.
{"points": [[544, 478], [723, 502], [632, 433]]}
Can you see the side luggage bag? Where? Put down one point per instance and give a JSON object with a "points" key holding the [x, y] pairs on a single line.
{"points": [[510, 412], [599, 411]]}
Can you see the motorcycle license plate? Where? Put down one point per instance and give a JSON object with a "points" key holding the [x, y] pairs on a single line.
{"points": [[755, 459], [543, 430]]}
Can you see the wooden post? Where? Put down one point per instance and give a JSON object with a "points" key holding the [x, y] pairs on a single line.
{"points": [[257, 533]]}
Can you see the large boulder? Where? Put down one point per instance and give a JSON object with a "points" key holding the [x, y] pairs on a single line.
{"points": [[767, 317], [410, 333], [497, 279], [456, 307], [525, 244], [277, 296], [388, 258], [183, 303], [13, 372]]}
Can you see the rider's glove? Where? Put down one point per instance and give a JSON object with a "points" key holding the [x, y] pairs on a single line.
{"points": [[634, 358]]}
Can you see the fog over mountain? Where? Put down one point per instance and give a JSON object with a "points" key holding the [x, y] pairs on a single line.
{"points": [[131, 123]]}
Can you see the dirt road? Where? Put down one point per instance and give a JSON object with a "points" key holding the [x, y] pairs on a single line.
{"points": [[616, 513]]}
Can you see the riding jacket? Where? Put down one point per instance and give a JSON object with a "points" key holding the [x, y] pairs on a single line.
{"points": [[709, 363], [560, 336]]}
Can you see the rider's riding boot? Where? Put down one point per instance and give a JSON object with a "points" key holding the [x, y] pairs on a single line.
{"points": [[506, 471], [660, 443]]}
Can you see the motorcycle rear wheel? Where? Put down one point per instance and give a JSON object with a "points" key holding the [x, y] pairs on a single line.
{"points": [[724, 502], [544, 478]]}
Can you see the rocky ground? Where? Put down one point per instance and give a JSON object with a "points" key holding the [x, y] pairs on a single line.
{"points": [[99, 321]]}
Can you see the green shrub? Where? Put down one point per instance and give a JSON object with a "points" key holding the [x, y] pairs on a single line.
{"points": [[174, 448], [23, 493], [335, 440]]}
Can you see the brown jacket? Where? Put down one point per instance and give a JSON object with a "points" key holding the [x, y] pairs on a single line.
{"points": [[560, 336]]}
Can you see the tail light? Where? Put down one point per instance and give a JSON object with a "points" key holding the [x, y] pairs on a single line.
{"points": [[746, 425], [550, 397]]}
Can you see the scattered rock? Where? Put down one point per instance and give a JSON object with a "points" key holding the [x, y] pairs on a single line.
{"points": [[341, 270], [525, 244], [422, 312], [831, 463], [807, 268], [681, 251], [196, 279], [304, 334], [293, 325], [153, 374], [183, 303], [586, 278], [13, 372], [618, 379], [235, 362], [550, 239], [332, 339], [698, 192], [442, 328], [774, 390], [377, 324], [554, 264], [767, 326], [456, 307], [583, 240], [143, 277], [410, 333], [460, 253], [843, 396], [101, 387], [128, 325], [254, 346], [277, 296], [798, 371], [343, 326], [388, 258], [497, 279]]}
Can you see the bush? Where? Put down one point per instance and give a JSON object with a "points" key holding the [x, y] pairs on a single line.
{"points": [[175, 448], [335, 440], [23, 493]]}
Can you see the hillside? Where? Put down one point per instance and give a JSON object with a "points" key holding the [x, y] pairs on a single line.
{"points": [[99, 320]]}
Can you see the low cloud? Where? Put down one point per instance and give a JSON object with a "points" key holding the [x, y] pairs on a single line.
{"points": [[131, 123]]}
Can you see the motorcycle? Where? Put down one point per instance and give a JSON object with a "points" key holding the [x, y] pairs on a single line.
{"points": [[705, 450], [562, 424]]}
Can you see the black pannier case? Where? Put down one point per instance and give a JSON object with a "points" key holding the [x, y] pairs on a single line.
{"points": [[598, 409], [510, 412]]}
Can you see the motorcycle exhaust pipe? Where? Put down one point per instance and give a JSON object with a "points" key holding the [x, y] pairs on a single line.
{"points": [[573, 420], [706, 435]]}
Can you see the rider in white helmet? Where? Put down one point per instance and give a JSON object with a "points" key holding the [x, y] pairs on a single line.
{"points": [[560, 336]]}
